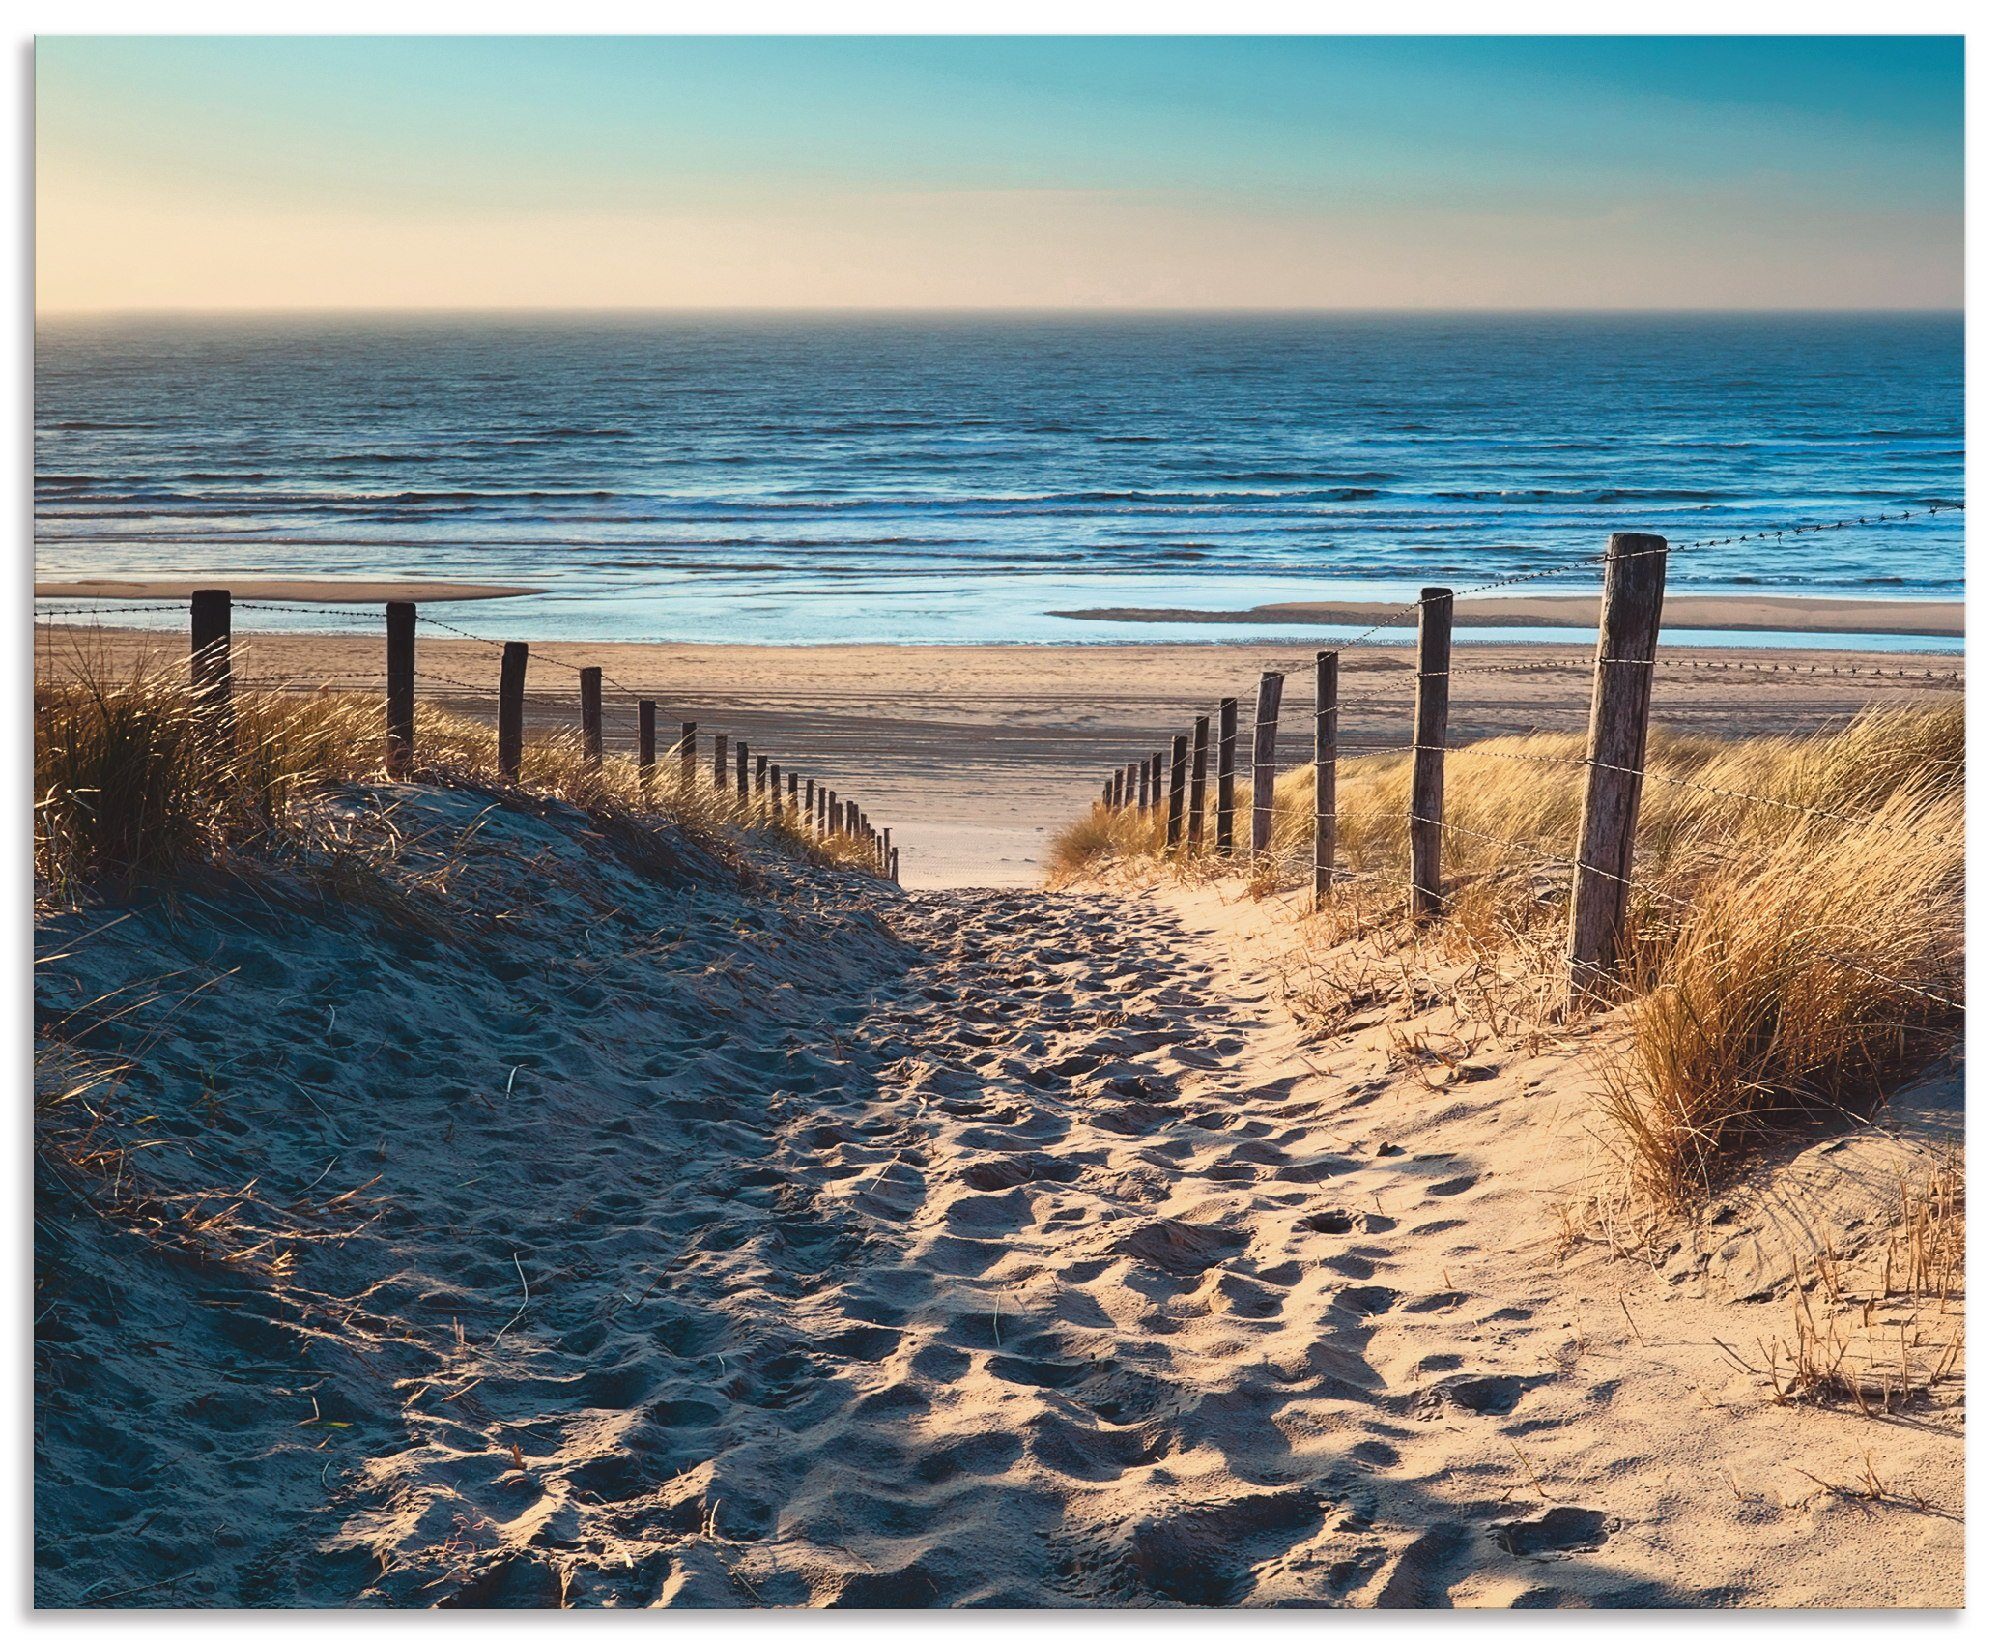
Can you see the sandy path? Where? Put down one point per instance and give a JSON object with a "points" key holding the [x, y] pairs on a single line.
{"points": [[965, 1247]]}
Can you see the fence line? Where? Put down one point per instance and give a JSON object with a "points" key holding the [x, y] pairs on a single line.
{"points": [[1624, 668], [215, 678]]}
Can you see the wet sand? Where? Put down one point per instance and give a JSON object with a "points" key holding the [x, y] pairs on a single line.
{"points": [[975, 755], [1717, 612], [299, 590]]}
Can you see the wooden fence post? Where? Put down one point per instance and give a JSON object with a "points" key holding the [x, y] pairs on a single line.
{"points": [[1158, 789], [209, 665], [774, 792], [1326, 730], [1118, 788], [688, 729], [1177, 794], [896, 865], [1264, 761], [401, 713], [513, 690], [882, 848], [825, 810], [812, 798], [1198, 785], [591, 681], [1635, 583], [721, 764], [1225, 778], [743, 773], [1427, 756], [1135, 785], [648, 713], [758, 782], [792, 792]]}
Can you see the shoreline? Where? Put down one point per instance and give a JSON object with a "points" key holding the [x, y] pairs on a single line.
{"points": [[1715, 612], [302, 590]]}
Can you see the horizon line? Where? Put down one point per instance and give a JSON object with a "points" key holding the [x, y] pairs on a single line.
{"points": [[1095, 311]]}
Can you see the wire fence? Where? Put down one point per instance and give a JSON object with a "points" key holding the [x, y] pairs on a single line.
{"points": [[1170, 787], [754, 789]]}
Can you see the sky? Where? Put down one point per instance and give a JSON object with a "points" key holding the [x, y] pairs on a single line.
{"points": [[1071, 173]]}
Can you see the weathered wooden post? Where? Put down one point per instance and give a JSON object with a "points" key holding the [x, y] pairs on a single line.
{"points": [[1635, 583], [1177, 794], [1326, 727], [896, 865], [1135, 785], [853, 818], [513, 692], [791, 792], [1198, 785], [401, 713], [743, 773], [812, 799], [825, 810], [774, 794], [647, 728], [882, 848], [209, 666], [688, 728], [763, 767], [1105, 802], [1157, 786], [1118, 788], [722, 764], [1264, 761], [1427, 757], [1225, 777], [591, 680]]}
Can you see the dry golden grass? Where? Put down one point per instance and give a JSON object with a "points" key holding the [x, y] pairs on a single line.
{"points": [[129, 787], [1795, 927]]}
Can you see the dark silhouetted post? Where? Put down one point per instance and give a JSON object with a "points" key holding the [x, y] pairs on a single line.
{"points": [[1427, 761], [688, 729], [591, 682], [1635, 584], [722, 764], [1157, 787], [1198, 785], [401, 722], [209, 665], [743, 773], [1117, 800], [1326, 731], [513, 691], [1264, 761], [1177, 794], [647, 750], [1225, 777], [896, 865]]}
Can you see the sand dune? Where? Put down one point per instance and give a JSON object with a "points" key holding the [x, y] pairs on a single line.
{"points": [[617, 1231]]}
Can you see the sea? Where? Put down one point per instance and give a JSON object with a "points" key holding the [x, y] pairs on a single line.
{"points": [[911, 478]]}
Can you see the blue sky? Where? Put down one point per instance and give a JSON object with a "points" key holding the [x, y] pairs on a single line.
{"points": [[1217, 172]]}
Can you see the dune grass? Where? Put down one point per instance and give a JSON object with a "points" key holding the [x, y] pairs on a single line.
{"points": [[130, 787], [1795, 929]]}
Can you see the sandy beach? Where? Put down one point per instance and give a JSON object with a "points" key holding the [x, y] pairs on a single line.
{"points": [[973, 755]]}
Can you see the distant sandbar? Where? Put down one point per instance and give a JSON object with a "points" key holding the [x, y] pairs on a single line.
{"points": [[299, 590], [1723, 612]]}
